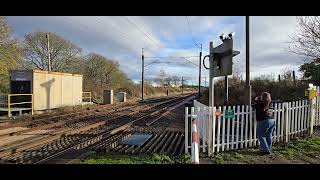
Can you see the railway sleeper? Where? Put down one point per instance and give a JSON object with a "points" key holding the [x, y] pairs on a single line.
{"points": [[152, 146], [172, 143], [177, 145], [167, 142], [163, 140]]}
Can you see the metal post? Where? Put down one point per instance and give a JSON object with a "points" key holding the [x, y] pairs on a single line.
{"points": [[248, 62], [294, 77], [32, 102], [211, 82], [142, 74], [200, 57], [182, 84], [186, 144], [312, 116], [49, 58], [226, 94], [9, 106], [205, 81]]}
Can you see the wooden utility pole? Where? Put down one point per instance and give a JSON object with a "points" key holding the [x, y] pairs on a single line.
{"points": [[226, 93], [200, 57], [294, 78], [142, 74], [49, 58], [248, 62], [182, 84]]}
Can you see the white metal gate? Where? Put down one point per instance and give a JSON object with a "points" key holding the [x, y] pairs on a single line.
{"points": [[218, 133]]}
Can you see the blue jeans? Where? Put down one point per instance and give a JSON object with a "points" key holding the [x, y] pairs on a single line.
{"points": [[264, 131]]}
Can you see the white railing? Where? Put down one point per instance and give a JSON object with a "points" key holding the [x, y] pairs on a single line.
{"points": [[218, 133], [8, 103]]}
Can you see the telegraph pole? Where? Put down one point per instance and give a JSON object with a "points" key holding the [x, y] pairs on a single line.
{"points": [[200, 57], [211, 78], [294, 78], [182, 84], [248, 62], [226, 85], [205, 81], [48, 48], [142, 73]]}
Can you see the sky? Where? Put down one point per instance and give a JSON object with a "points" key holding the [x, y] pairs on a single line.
{"points": [[122, 38]]}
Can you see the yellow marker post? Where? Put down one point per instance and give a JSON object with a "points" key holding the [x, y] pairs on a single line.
{"points": [[312, 94], [32, 107], [306, 93], [9, 110]]}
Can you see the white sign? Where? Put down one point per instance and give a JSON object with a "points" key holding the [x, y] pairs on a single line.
{"points": [[21, 79]]}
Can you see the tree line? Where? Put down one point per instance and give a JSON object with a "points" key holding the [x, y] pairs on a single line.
{"points": [[98, 72]]}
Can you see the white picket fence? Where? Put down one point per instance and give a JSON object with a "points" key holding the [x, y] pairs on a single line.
{"points": [[218, 133]]}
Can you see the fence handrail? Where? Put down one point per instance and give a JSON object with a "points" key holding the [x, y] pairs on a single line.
{"points": [[20, 94], [218, 133], [87, 95], [7, 102]]}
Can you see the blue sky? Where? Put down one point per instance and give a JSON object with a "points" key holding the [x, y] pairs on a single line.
{"points": [[121, 38]]}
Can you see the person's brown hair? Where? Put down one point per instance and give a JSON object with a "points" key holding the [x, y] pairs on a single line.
{"points": [[266, 100]]}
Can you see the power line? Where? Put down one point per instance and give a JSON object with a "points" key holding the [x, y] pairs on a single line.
{"points": [[166, 57], [142, 31], [190, 61], [188, 25], [105, 26]]}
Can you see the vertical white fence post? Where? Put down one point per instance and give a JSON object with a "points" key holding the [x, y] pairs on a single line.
{"points": [[211, 137], [232, 131], [279, 122], [228, 130], [218, 133], [312, 112], [251, 123], [242, 122], [213, 112], [186, 134], [286, 121], [282, 122]]}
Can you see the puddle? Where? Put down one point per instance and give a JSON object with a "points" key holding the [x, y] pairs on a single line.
{"points": [[137, 139]]}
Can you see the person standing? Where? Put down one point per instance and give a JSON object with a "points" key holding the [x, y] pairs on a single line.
{"points": [[265, 121]]}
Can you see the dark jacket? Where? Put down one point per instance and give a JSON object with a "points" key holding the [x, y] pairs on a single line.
{"points": [[260, 113]]}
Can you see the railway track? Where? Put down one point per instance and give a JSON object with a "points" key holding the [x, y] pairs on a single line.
{"points": [[98, 134], [49, 118], [73, 118]]}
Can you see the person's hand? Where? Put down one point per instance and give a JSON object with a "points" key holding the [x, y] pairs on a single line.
{"points": [[258, 98]]}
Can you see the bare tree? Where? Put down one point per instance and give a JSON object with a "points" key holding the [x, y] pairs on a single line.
{"points": [[287, 74], [162, 77], [63, 52], [237, 71], [176, 80], [306, 40]]}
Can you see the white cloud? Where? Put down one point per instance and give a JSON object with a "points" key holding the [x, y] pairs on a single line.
{"points": [[117, 38]]}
